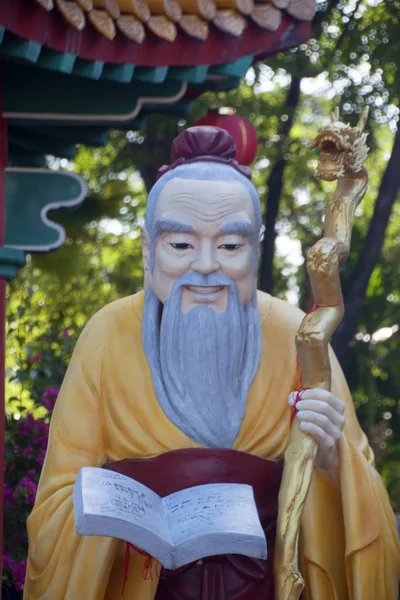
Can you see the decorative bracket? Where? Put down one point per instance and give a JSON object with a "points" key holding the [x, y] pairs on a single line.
{"points": [[30, 194]]}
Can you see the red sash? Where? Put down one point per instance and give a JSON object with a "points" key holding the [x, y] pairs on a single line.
{"points": [[229, 577]]}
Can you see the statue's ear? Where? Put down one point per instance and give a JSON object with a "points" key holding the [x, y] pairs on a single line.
{"points": [[146, 256]]}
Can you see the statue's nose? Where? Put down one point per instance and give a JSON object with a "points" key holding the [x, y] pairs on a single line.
{"points": [[205, 262]]}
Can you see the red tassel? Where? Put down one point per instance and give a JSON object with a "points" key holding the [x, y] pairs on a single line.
{"points": [[299, 394]]}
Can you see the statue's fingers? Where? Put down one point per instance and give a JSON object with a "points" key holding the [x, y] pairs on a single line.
{"points": [[322, 421], [323, 439], [324, 396], [323, 408]]}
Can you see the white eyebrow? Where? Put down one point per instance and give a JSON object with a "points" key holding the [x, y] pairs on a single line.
{"points": [[171, 226], [238, 228]]}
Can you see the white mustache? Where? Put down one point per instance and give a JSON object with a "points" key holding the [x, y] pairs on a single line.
{"points": [[205, 289], [213, 280]]}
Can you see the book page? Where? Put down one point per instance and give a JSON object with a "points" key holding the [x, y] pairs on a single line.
{"points": [[110, 494], [213, 508]]}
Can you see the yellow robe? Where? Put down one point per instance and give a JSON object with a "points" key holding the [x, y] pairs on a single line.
{"points": [[107, 411]]}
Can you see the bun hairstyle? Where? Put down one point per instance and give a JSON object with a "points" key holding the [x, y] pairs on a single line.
{"points": [[204, 144]]}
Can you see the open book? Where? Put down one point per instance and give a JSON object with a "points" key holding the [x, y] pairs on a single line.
{"points": [[205, 520]]}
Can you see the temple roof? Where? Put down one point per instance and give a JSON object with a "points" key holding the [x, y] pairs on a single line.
{"points": [[156, 33], [71, 69], [134, 18]]}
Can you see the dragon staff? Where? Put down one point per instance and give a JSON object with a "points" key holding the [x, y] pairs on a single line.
{"points": [[343, 150]]}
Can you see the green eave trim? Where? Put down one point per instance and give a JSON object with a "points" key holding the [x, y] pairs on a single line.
{"points": [[33, 53], [118, 73], [20, 49], [189, 74], [33, 94], [89, 69], [56, 61], [236, 68]]}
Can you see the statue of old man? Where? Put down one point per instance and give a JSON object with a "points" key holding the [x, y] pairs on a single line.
{"points": [[191, 380]]}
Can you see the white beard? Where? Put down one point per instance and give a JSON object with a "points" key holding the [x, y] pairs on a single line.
{"points": [[203, 362]]}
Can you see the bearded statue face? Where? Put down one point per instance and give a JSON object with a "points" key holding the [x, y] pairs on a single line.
{"points": [[201, 329], [202, 227]]}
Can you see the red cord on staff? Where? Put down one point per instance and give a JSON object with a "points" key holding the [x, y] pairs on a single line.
{"points": [[298, 397]]}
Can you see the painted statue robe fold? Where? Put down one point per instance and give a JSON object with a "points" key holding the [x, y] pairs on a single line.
{"points": [[107, 411]]}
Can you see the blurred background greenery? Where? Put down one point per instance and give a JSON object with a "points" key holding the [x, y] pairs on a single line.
{"points": [[351, 60]]}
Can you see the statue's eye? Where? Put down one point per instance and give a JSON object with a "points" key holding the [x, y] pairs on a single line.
{"points": [[230, 247], [181, 246]]}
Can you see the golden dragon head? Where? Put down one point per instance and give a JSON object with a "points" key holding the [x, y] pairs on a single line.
{"points": [[343, 149]]}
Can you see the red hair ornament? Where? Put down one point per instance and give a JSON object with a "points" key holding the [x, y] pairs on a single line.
{"points": [[204, 144]]}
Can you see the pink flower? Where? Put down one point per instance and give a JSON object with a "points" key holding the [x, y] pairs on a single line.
{"points": [[19, 572], [65, 334], [49, 397], [41, 456], [8, 562], [8, 494], [35, 358], [51, 392], [41, 426], [41, 440], [30, 425], [30, 487], [25, 425], [26, 452]]}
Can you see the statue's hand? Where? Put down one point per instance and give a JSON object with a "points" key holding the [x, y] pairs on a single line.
{"points": [[321, 415]]}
